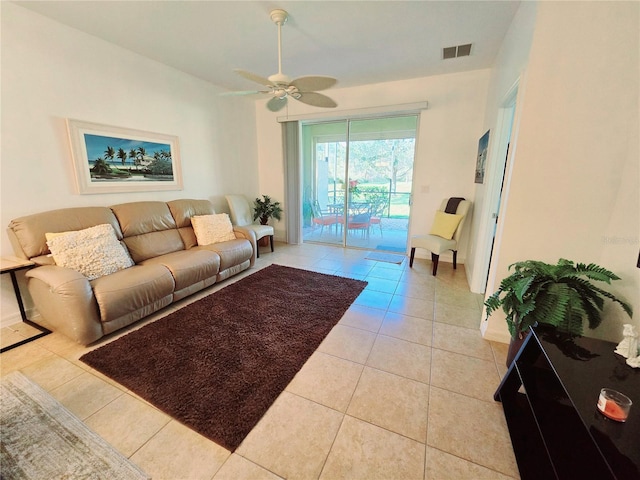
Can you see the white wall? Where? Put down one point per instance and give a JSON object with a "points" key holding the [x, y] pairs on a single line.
{"points": [[51, 72], [575, 176], [447, 139], [508, 68]]}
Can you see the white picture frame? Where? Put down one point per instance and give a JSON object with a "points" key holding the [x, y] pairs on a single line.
{"points": [[109, 159]]}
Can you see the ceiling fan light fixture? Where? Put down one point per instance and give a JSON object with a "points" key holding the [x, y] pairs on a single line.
{"points": [[281, 86]]}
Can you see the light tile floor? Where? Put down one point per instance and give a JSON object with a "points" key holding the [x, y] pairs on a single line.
{"points": [[400, 389]]}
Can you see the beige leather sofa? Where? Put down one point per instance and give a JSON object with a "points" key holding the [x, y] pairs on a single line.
{"points": [[169, 264]]}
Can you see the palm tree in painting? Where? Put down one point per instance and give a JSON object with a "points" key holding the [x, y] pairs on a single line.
{"points": [[122, 155], [133, 154], [109, 153], [162, 155], [142, 152], [161, 164], [100, 167]]}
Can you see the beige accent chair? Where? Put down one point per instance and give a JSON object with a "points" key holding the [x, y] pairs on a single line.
{"points": [[242, 216], [436, 244]]}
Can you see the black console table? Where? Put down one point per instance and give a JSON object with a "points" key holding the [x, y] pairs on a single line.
{"points": [[549, 397]]}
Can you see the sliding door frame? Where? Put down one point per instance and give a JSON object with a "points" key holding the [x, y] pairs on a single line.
{"points": [[347, 141]]}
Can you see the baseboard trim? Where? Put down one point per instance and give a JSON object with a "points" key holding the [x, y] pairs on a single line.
{"points": [[500, 335], [15, 318]]}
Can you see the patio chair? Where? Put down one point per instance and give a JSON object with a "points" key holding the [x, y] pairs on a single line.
{"points": [[323, 217], [359, 218], [377, 211]]}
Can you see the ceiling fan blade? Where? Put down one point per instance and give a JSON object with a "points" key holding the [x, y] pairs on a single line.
{"points": [[276, 103], [313, 83], [254, 78], [316, 99], [242, 92]]}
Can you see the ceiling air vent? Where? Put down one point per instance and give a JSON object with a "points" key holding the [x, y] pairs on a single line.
{"points": [[454, 52]]}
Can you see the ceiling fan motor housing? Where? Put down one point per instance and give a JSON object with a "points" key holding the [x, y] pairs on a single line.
{"points": [[280, 79]]}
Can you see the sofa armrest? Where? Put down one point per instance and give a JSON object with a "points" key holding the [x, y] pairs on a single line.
{"points": [[66, 302], [250, 235]]}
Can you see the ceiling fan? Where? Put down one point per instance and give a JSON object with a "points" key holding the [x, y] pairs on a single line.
{"points": [[281, 87]]}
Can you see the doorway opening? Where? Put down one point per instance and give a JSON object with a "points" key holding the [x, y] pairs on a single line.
{"points": [[357, 177], [496, 194]]}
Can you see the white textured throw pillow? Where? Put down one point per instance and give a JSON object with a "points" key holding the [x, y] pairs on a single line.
{"points": [[212, 228], [94, 251]]}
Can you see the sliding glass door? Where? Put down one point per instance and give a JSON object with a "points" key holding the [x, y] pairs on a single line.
{"points": [[324, 159], [357, 177]]}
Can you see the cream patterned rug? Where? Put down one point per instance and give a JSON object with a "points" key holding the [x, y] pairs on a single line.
{"points": [[39, 439]]}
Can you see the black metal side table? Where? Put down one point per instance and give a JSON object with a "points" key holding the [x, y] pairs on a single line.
{"points": [[11, 265]]}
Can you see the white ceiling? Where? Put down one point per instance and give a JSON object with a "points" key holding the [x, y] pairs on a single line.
{"points": [[357, 42]]}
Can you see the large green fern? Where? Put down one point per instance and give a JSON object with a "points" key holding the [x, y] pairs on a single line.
{"points": [[561, 295]]}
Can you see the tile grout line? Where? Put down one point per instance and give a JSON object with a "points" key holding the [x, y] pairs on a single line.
{"points": [[426, 440]]}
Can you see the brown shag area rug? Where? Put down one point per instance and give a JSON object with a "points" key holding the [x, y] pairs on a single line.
{"points": [[218, 364]]}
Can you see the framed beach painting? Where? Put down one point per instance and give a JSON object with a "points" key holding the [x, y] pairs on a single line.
{"points": [[109, 159], [481, 159]]}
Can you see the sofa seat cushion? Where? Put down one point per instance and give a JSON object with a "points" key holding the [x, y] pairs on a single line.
{"points": [[232, 252], [188, 267], [132, 289]]}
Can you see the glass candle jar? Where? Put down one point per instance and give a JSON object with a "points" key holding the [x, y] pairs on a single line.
{"points": [[614, 405]]}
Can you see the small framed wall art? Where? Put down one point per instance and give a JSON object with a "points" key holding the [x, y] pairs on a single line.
{"points": [[481, 160], [109, 159]]}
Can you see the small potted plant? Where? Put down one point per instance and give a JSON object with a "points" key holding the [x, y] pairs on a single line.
{"points": [[560, 296], [264, 209]]}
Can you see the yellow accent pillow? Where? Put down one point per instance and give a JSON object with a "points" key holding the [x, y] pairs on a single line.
{"points": [[445, 224]]}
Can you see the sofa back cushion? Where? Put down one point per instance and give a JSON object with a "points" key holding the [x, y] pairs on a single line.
{"points": [[182, 211], [27, 233], [148, 228]]}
